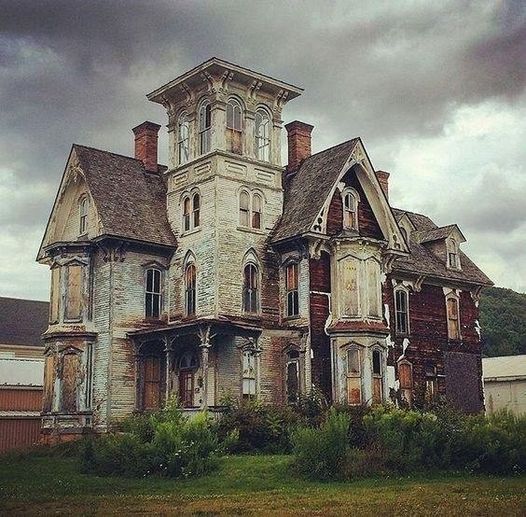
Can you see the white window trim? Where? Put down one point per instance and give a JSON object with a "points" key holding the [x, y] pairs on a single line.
{"points": [[352, 192], [453, 295], [160, 293]]}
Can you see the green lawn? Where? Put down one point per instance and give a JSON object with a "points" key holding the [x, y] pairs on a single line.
{"points": [[261, 485]]}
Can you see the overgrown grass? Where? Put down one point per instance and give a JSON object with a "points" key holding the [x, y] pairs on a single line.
{"points": [[260, 485]]}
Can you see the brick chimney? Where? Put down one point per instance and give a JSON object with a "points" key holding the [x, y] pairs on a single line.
{"points": [[383, 179], [146, 135], [299, 143]]}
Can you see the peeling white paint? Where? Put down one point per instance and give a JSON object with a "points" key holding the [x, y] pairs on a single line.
{"points": [[405, 344], [387, 315], [391, 377], [477, 328]]}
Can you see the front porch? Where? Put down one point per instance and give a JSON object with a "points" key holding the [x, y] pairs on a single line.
{"points": [[202, 363]]}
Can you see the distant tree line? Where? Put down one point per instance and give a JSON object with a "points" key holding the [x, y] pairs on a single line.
{"points": [[503, 322]]}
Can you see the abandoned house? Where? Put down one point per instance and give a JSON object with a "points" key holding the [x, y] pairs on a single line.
{"points": [[227, 274]]}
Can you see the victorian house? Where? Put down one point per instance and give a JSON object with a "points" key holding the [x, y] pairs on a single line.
{"points": [[226, 274]]}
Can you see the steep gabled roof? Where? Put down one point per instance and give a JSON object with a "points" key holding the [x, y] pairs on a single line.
{"points": [[423, 261], [438, 234], [309, 189], [130, 201], [22, 322]]}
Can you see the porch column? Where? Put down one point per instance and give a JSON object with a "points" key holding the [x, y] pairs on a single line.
{"points": [[168, 348], [204, 336]]}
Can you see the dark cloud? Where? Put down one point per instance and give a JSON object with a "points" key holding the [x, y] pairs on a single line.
{"points": [[77, 71]]}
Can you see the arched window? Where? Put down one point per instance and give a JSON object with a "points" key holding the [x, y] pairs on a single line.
{"points": [[244, 208], [405, 377], [350, 210], [234, 115], [354, 375], [291, 287], [205, 125], [186, 214], [196, 202], [402, 311], [152, 301], [188, 365], [262, 134], [183, 138], [453, 323], [83, 215], [377, 362], [190, 289], [251, 288], [257, 205]]}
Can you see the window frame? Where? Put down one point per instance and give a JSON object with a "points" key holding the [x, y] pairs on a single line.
{"points": [[256, 213], [350, 193], [190, 290], [205, 127], [377, 377], [233, 105], [244, 208], [262, 142], [183, 140], [453, 336], [292, 298], [83, 215], [353, 375], [406, 330], [452, 254], [152, 294], [251, 293], [68, 318]]}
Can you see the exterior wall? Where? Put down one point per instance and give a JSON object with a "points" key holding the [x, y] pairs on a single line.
{"points": [[509, 394]]}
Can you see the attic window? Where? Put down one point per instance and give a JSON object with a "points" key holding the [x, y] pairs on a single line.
{"points": [[83, 215], [350, 200], [453, 260]]}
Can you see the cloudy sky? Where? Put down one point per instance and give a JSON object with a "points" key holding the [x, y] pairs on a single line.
{"points": [[437, 91]]}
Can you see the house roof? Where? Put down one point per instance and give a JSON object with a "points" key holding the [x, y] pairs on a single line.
{"points": [[22, 322], [130, 201], [309, 188], [423, 261], [504, 367], [438, 233]]}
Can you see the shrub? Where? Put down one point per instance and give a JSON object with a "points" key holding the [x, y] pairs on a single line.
{"points": [[323, 453], [164, 443]]}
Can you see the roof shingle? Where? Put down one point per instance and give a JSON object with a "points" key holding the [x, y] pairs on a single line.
{"points": [[22, 322]]}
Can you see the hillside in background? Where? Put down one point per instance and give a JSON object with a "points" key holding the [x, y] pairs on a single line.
{"points": [[503, 322]]}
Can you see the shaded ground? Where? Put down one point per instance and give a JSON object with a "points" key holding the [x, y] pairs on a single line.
{"points": [[260, 485]]}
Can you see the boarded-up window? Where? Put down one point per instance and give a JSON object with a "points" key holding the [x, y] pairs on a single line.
{"points": [[377, 377], [452, 318], [49, 381], [350, 287], [405, 376], [54, 307], [151, 382], [354, 376], [74, 293], [372, 268], [69, 382]]}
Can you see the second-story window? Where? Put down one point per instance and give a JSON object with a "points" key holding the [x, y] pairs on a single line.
{"points": [[291, 287], [186, 214], [152, 301], [190, 289], [83, 215], [205, 127], [453, 318], [183, 138], [262, 134], [402, 311], [244, 208], [250, 289], [191, 211], [350, 210], [250, 210], [257, 204]]}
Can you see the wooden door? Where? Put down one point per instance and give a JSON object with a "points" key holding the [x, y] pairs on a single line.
{"points": [[152, 383]]}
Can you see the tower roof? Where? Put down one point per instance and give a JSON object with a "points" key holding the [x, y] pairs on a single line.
{"points": [[219, 68]]}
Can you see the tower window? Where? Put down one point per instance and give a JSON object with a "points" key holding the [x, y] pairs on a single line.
{"points": [[186, 214], [262, 134], [191, 212], [205, 125], [83, 215], [153, 293], [190, 289], [183, 138], [256, 211], [234, 126], [250, 289], [250, 210], [244, 208], [291, 286], [354, 376], [196, 201]]}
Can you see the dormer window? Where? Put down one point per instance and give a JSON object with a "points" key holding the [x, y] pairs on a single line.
{"points": [[205, 127], [350, 209], [183, 138], [83, 215], [262, 134], [452, 248], [234, 126]]}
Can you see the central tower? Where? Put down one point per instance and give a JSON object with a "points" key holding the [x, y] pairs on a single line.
{"points": [[224, 181]]}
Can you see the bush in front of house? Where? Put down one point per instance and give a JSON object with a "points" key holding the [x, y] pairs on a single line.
{"points": [[323, 452], [165, 443]]}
